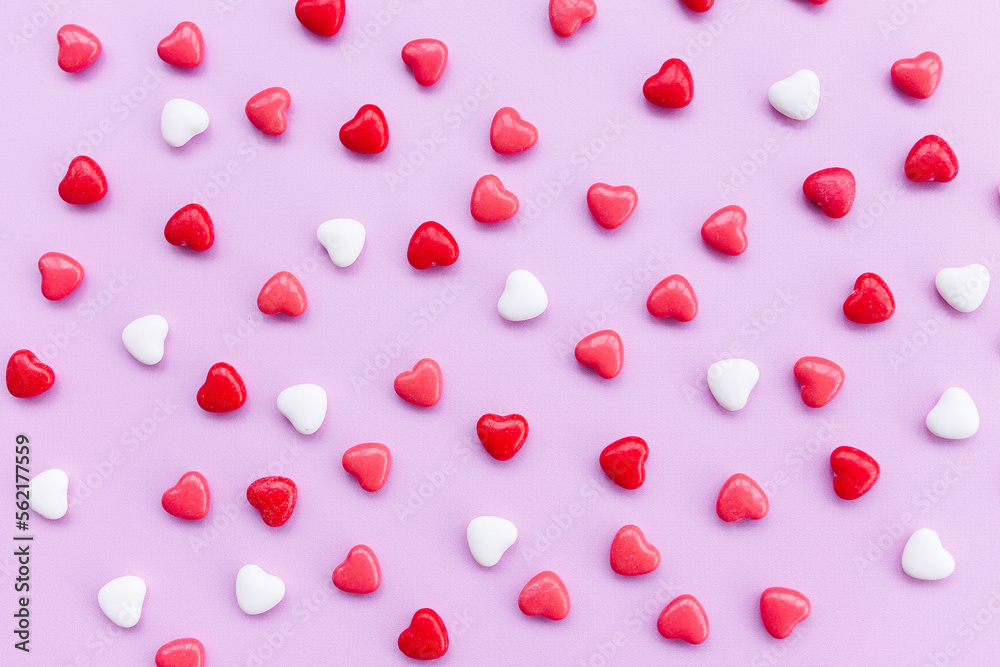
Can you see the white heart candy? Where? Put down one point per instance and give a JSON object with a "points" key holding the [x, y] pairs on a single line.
{"points": [[731, 381], [257, 591], [955, 416], [925, 558], [144, 338], [797, 96], [305, 406], [489, 537], [181, 120], [523, 297], [965, 288], [343, 238], [121, 600], [47, 493]]}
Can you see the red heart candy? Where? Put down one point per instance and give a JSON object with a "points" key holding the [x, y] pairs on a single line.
{"points": [[931, 159], [184, 47], [427, 58], [369, 463], [611, 205], [819, 2], [918, 77], [624, 462], [84, 182], [631, 554], [700, 6], [566, 16], [27, 376], [78, 48], [359, 573], [781, 609], [854, 472], [832, 190], [274, 498], [223, 390], [267, 110], [491, 201], [323, 17], [431, 245], [187, 652], [422, 385], [672, 87], [870, 302], [741, 498], [820, 380], [282, 293], [61, 274], [684, 618], [502, 436], [367, 132], [724, 230], [673, 297], [510, 134], [190, 226], [189, 498], [602, 351], [426, 638], [544, 595]]}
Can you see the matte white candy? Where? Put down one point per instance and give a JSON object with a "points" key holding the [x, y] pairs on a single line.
{"points": [[731, 381], [797, 96], [181, 120], [256, 590], [47, 493], [489, 537], [925, 558], [523, 297], [121, 600], [343, 238], [964, 289], [955, 416], [144, 338], [305, 406]]}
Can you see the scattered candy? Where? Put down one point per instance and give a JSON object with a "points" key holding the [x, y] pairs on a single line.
{"points": [[359, 573], [61, 274], [918, 77], [854, 472], [545, 595], [420, 386], [673, 297], [274, 498], [492, 202], [684, 617], [731, 381], [121, 600], [189, 498], [322, 17], [502, 436], [781, 609], [184, 47], [84, 182], [820, 379], [611, 205], [367, 132], [566, 16], [431, 245], [190, 226], [489, 537], [144, 338], [870, 302], [369, 463], [602, 351], [304, 405], [282, 293], [963, 288], [925, 558], [511, 134], [624, 462], [955, 416], [78, 48], [181, 121], [931, 159], [268, 109], [797, 96], [725, 230], [187, 652], [832, 190], [427, 59], [223, 390], [343, 239], [27, 376], [257, 591], [48, 493], [672, 87], [523, 297], [631, 554], [741, 498], [426, 638]]}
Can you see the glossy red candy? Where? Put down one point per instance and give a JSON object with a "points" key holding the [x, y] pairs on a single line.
{"points": [[359, 573], [870, 302], [918, 77], [274, 498], [420, 386], [367, 132], [725, 230], [502, 435], [931, 159], [61, 274], [187, 652], [741, 498], [491, 201], [84, 182], [322, 17], [566, 16], [190, 226], [427, 59], [699, 5], [223, 390], [781, 609], [683, 618], [510, 133], [426, 638], [268, 110], [673, 297], [854, 472], [189, 498], [282, 293], [184, 47], [832, 190], [611, 205], [78, 48], [631, 554], [624, 462], [603, 351], [820, 380], [431, 245], [369, 463], [544, 595], [672, 87], [27, 376]]}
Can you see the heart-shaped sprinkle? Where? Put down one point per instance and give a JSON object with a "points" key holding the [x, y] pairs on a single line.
{"points": [[187, 652], [322, 17], [48, 493], [223, 390], [701, 6], [359, 573], [369, 463], [731, 381], [854, 472], [918, 77], [489, 537], [184, 47], [502, 435], [144, 338], [725, 230], [190, 226], [741, 498], [871, 301], [304, 405], [673, 297], [367, 132], [820, 380], [511, 134], [427, 59], [611, 205], [492, 202], [121, 600], [672, 87], [963, 288], [523, 297], [268, 109], [781, 609], [274, 498], [924, 557], [684, 617], [27, 376], [343, 239], [797, 96], [61, 274], [84, 182], [256, 590], [566, 16], [603, 351], [426, 638], [188, 498], [931, 159], [420, 386], [955, 416], [631, 554], [431, 245], [832, 190], [182, 120], [624, 462], [78, 48], [282, 293], [544, 595]]}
